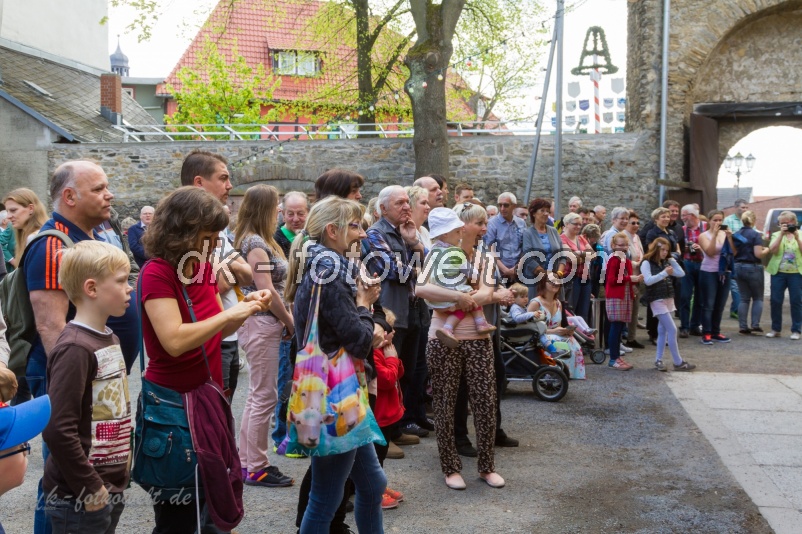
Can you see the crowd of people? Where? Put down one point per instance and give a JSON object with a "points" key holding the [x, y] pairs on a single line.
{"points": [[413, 291]]}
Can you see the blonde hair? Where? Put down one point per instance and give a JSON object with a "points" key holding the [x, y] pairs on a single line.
{"points": [[789, 216], [25, 197], [592, 231], [623, 235], [571, 218], [414, 192], [519, 290], [659, 212], [749, 218], [258, 215], [389, 316], [89, 259], [473, 213], [331, 210]]}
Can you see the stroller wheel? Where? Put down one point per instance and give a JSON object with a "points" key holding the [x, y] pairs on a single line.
{"points": [[563, 367], [598, 356], [550, 384]]}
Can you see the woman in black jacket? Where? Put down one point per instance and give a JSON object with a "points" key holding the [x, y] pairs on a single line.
{"points": [[318, 256]]}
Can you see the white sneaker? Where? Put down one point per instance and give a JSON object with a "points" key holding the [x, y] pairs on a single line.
{"points": [[795, 336], [625, 349], [773, 334]]}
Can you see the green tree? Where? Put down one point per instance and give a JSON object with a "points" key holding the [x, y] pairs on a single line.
{"points": [[221, 91]]}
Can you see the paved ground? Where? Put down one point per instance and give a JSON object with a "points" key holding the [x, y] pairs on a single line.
{"points": [[619, 454]]}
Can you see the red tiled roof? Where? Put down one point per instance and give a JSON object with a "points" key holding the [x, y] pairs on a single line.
{"points": [[259, 27]]}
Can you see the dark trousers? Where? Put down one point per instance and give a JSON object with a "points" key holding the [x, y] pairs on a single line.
{"points": [[66, 516], [461, 407], [407, 345], [690, 319], [230, 350], [182, 518], [714, 293]]}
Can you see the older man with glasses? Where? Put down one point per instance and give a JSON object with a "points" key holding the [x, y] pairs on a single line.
{"points": [[505, 231]]}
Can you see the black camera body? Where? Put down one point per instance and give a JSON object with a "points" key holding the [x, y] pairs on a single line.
{"points": [[791, 228]]}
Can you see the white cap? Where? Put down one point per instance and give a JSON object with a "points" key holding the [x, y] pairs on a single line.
{"points": [[442, 221]]}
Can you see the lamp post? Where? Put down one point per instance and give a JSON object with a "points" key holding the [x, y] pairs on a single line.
{"points": [[737, 161]]}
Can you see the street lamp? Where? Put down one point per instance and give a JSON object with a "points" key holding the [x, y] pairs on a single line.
{"points": [[737, 161]]}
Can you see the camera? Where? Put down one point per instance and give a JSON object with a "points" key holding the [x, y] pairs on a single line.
{"points": [[723, 227], [791, 228]]}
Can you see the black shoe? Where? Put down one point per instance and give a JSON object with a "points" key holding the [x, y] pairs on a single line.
{"points": [[414, 430], [653, 341], [503, 440], [634, 344], [427, 424], [757, 329], [683, 333], [695, 332], [466, 449], [745, 331]]}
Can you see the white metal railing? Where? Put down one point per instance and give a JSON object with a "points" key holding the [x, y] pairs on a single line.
{"points": [[279, 132]]}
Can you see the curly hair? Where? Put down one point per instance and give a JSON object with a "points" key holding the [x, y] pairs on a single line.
{"points": [[179, 220]]}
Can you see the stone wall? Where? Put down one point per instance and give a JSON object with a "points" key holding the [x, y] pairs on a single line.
{"points": [[719, 51], [603, 169]]}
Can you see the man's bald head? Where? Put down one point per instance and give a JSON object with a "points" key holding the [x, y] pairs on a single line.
{"points": [[435, 193], [66, 175]]}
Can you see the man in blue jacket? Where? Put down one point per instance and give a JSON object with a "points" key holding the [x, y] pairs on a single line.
{"points": [[136, 232]]}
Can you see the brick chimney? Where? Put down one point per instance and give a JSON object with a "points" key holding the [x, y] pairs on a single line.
{"points": [[111, 98]]}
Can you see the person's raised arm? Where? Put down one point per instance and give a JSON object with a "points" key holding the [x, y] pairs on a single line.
{"points": [[708, 244], [178, 337]]}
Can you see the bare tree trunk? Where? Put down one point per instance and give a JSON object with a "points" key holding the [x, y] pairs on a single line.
{"points": [[435, 25], [364, 65]]}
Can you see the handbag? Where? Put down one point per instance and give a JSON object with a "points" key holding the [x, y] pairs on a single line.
{"points": [[165, 463], [328, 411]]}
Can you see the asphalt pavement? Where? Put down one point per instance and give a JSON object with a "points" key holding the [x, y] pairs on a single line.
{"points": [[635, 451]]}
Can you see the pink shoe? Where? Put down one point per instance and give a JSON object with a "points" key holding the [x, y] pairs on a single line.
{"points": [[484, 328], [446, 337]]}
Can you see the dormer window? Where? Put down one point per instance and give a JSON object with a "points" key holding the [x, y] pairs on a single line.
{"points": [[296, 63]]}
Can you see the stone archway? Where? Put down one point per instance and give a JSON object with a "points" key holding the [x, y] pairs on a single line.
{"points": [[721, 51]]}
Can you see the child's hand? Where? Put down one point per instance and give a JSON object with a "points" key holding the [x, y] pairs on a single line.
{"points": [[8, 384], [539, 315], [97, 501]]}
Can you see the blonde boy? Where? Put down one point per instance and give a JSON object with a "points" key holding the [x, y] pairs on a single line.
{"points": [[90, 426]]}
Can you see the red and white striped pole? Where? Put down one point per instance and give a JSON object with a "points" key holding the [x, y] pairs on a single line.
{"points": [[595, 75]]}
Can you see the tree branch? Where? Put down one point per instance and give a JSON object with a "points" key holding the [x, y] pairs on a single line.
{"points": [[451, 10], [388, 66], [419, 15]]}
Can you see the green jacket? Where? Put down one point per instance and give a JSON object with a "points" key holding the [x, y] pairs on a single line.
{"points": [[774, 262], [8, 243]]}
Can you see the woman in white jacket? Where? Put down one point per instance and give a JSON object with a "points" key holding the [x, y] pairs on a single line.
{"points": [[657, 269]]}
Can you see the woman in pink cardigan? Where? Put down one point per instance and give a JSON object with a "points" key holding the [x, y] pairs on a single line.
{"points": [[619, 290]]}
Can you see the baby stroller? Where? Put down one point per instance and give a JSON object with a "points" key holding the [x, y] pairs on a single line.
{"points": [[588, 343], [526, 359]]}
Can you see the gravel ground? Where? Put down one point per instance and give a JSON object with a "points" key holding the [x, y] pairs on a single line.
{"points": [[617, 454]]}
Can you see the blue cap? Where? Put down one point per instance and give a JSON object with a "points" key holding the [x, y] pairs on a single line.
{"points": [[23, 422]]}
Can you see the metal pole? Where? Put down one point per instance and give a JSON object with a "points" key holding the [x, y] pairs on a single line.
{"points": [[664, 97], [558, 142], [539, 120]]}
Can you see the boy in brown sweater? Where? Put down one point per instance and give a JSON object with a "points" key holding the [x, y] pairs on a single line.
{"points": [[89, 434]]}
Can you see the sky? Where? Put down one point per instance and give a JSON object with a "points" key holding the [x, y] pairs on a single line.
{"points": [[774, 173]]}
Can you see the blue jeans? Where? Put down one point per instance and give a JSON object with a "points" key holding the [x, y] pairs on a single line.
{"points": [[736, 294], [779, 283], [688, 319], [284, 377], [66, 516], [714, 290], [580, 298], [36, 376], [329, 474], [751, 287]]}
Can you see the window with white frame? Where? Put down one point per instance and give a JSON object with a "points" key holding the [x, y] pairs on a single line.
{"points": [[295, 63]]}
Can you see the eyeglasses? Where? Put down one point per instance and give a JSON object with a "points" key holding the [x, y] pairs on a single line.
{"points": [[636, 223], [25, 449], [504, 204]]}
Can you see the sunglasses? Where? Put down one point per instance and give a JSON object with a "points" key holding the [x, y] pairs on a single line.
{"points": [[504, 204], [636, 223], [25, 449]]}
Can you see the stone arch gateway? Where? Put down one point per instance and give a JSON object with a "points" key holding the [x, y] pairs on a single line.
{"points": [[734, 66]]}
